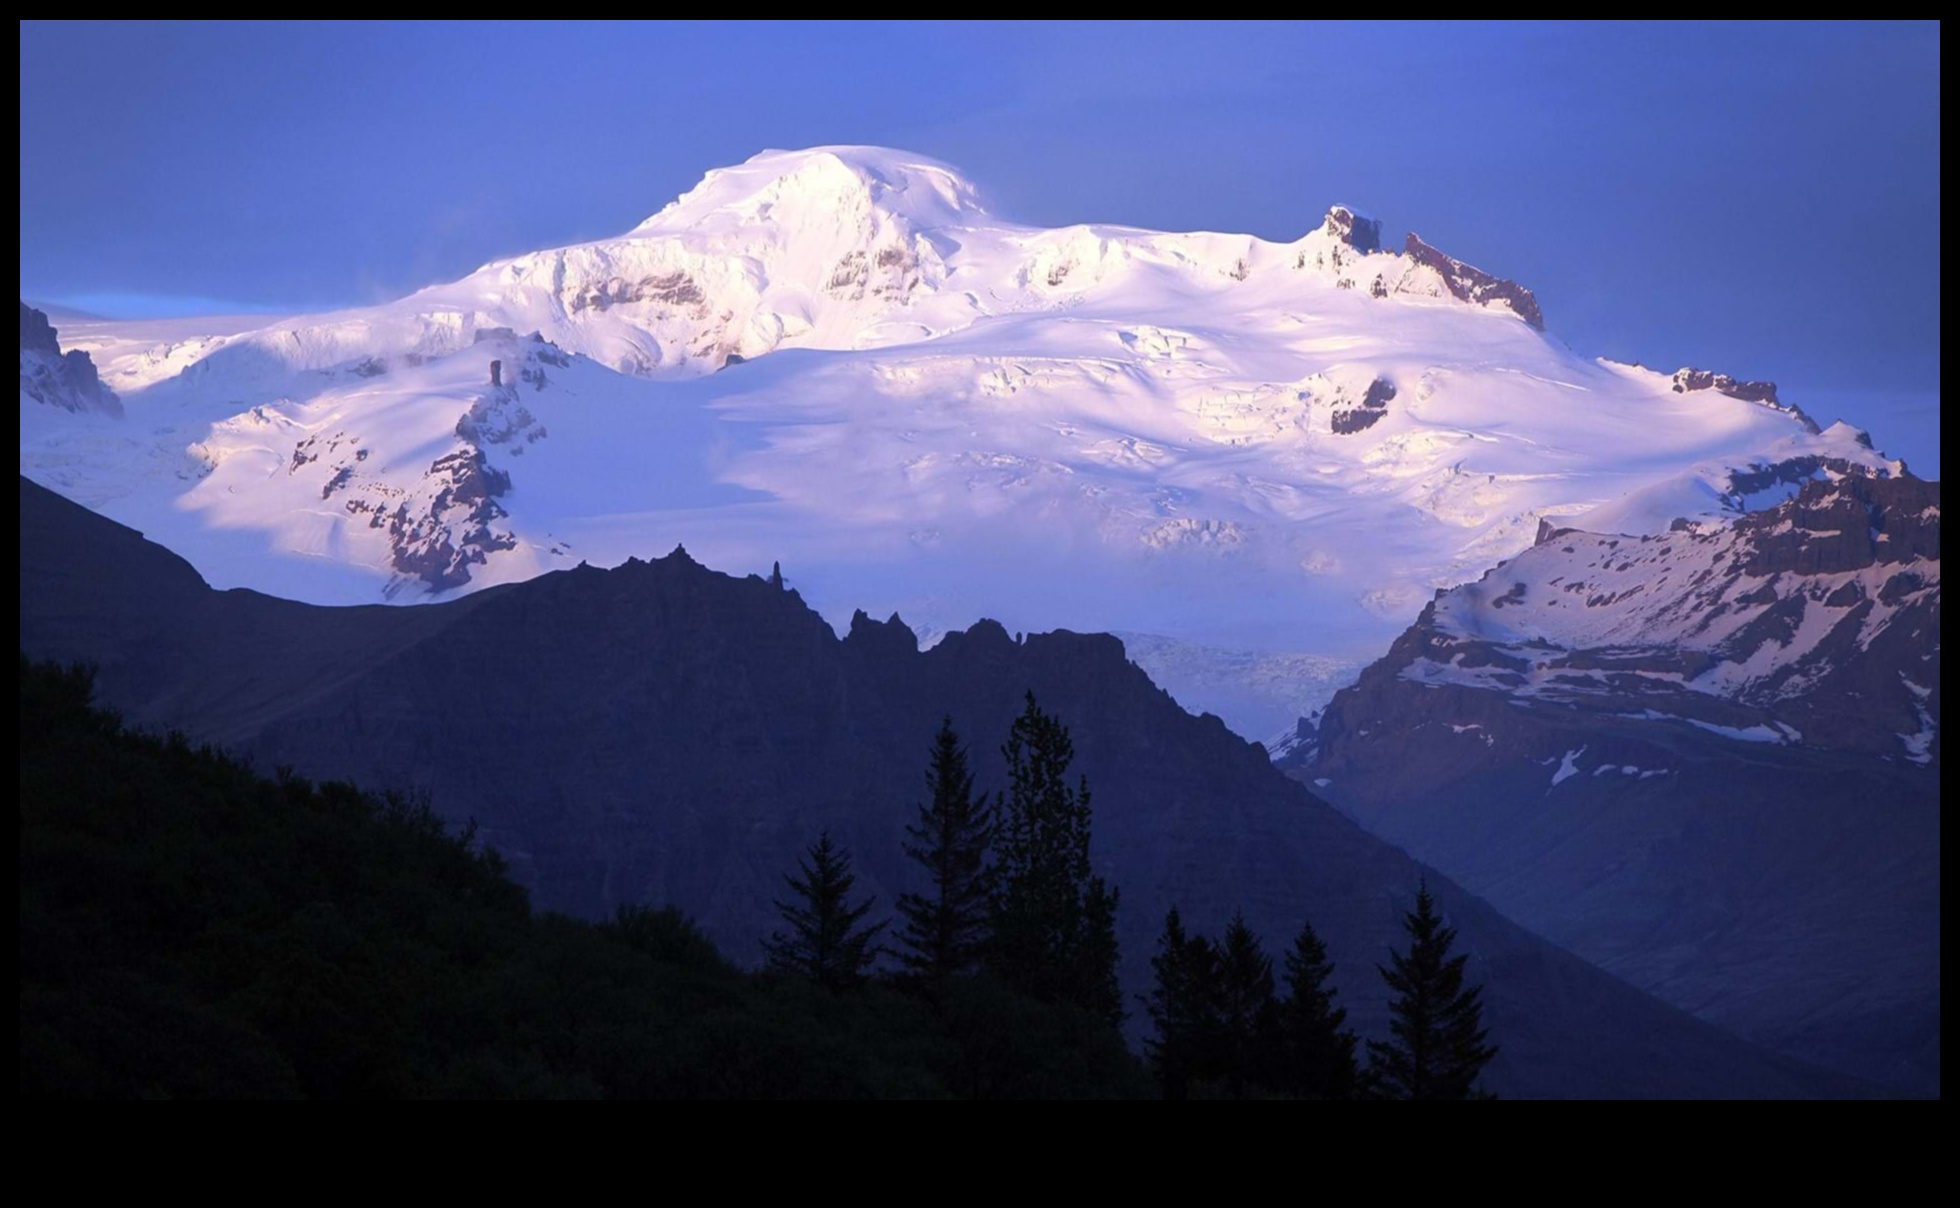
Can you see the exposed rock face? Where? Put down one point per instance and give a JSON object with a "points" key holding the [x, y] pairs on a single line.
{"points": [[890, 272], [1832, 528], [675, 290], [36, 333], [47, 375], [1468, 283], [1362, 234], [498, 418], [439, 545], [663, 733], [1790, 472], [449, 522], [1687, 380], [1357, 415], [443, 528], [1675, 753], [1775, 621]]}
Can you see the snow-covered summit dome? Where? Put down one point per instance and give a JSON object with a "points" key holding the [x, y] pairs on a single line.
{"points": [[789, 188]]}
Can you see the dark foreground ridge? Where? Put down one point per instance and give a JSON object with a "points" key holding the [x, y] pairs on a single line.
{"points": [[664, 734], [189, 929]]}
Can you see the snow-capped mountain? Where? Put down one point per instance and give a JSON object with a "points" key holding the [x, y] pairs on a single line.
{"points": [[842, 359], [1816, 622], [1706, 759]]}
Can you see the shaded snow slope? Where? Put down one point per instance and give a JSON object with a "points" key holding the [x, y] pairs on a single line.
{"points": [[843, 360]]}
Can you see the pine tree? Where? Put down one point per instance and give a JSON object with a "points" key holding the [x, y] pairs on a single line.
{"points": [[1184, 1006], [1316, 1052], [825, 940], [1437, 1044], [1246, 1009], [946, 927], [1097, 989], [1053, 919]]}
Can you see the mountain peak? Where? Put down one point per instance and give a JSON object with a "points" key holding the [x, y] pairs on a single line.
{"points": [[839, 182], [1353, 228], [1208, 423]]}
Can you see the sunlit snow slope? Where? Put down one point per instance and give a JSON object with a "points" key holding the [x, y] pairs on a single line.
{"points": [[840, 359]]}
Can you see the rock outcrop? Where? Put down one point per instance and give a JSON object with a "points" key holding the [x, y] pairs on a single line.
{"points": [[1351, 415], [1467, 283], [57, 379], [1687, 380], [1360, 233], [440, 546], [450, 521], [1835, 528]]}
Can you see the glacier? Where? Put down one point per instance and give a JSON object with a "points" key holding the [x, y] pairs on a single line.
{"points": [[1260, 458]]}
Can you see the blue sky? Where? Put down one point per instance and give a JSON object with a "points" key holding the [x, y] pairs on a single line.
{"points": [[1760, 200]]}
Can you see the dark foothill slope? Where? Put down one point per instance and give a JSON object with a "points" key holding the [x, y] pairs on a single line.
{"points": [[664, 733]]}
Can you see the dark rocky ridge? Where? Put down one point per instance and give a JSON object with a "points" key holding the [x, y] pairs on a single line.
{"points": [[661, 732], [1688, 380], [1791, 471], [1789, 890], [36, 333], [1467, 283], [65, 380], [1850, 524]]}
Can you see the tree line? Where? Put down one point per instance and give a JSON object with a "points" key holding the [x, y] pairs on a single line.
{"points": [[190, 928], [1009, 893], [1009, 888]]}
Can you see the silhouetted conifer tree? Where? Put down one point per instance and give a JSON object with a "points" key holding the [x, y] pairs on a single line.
{"points": [[1437, 1044], [946, 927], [1184, 1006], [1247, 1013], [824, 939], [1098, 990], [1316, 1054], [1054, 920]]}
